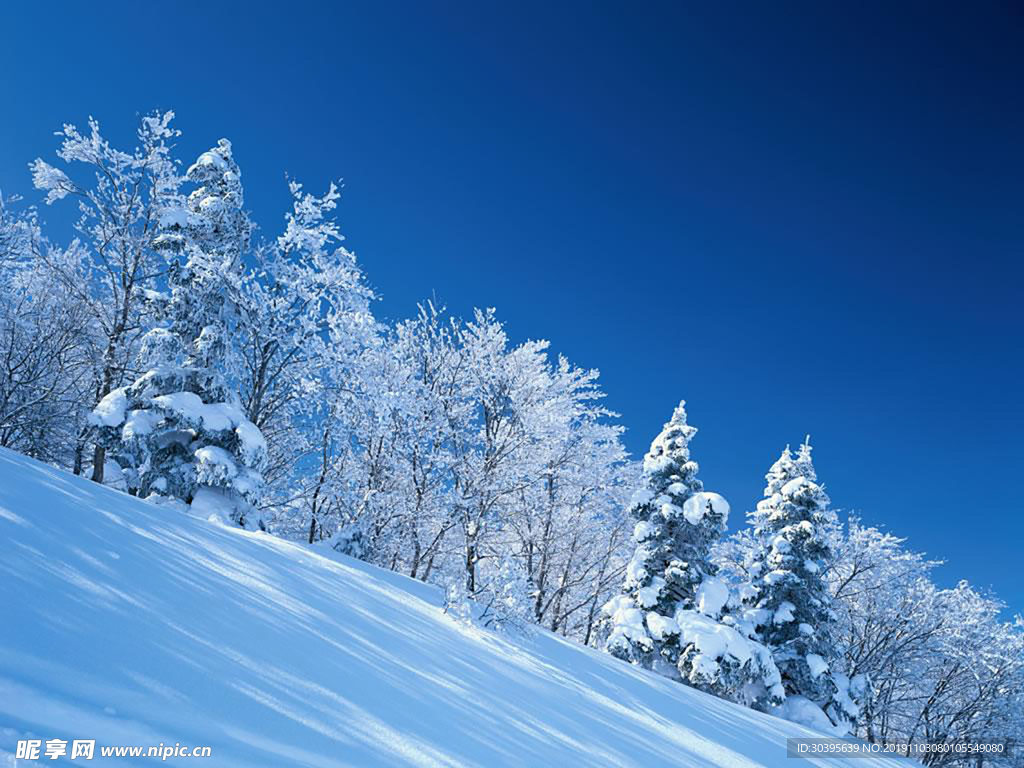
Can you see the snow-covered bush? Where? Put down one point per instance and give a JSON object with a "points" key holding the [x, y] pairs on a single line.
{"points": [[508, 594]]}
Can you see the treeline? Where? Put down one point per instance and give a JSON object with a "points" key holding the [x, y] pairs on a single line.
{"points": [[170, 353]]}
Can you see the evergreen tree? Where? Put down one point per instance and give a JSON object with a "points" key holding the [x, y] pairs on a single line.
{"points": [[179, 430], [673, 614], [672, 548], [789, 594]]}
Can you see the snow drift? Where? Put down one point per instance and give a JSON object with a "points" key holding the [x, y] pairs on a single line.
{"points": [[134, 624]]}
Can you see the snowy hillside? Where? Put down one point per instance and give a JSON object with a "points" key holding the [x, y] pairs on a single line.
{"points": [[130, 624]]}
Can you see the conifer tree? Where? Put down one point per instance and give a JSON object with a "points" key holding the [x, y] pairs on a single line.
{"points": [[673, 615], [178, 430], [671, 557], [789, 594]]}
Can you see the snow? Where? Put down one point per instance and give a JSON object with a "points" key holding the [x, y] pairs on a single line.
{"points": [[798, 709], [174, 217], [215, 417], [642, 531], [212, 505], [656, 464], [109, 412], [640, 497], [252, 440], [635, 571], [748, 592], [857, 686], [139, 423], [712, 595], [661, 626], [627, 620], [670, 511], [216, 456], [784, 613], [53, 180], [208, 158], [247, 481], [695, 507], [794, 486], [648, 596], [133, 623], [817, 665], [713, 639], [113, 475]]}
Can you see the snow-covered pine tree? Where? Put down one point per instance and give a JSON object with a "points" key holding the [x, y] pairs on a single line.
{"points": [[669, 561], [789, 594], [672, 615], [178, 430]]}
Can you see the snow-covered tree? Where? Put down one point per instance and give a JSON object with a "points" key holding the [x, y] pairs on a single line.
{"points": [[179, 430], [789, 592], [119, 199], [465, 454], [388, 448], [506, 598], [670, 558], [887, 621], [672, 614], [46, 345], [19, 234], [304, 321], [568, 525], [943, 667]]}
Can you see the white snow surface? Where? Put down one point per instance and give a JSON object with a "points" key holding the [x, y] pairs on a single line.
{"points": [[135, 624], [713, 639]]}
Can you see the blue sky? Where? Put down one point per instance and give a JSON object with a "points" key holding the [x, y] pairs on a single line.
{"points": [[801, 217]]}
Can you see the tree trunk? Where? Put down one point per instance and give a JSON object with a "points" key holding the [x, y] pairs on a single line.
{"points": [[79, 450], [99, 458], [471, 565]]}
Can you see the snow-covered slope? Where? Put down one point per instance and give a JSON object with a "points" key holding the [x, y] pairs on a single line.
{"points": [[135, 625]]}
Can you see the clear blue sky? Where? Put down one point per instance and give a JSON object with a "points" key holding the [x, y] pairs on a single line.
{"points": [[801, 217]]}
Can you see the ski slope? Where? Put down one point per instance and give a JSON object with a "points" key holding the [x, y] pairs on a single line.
{"points": [[135, 625]]}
